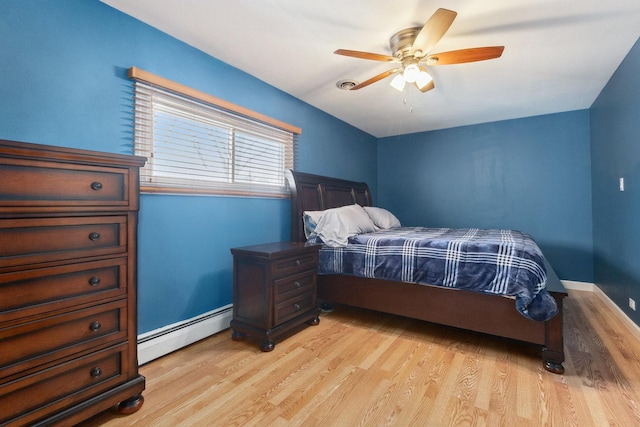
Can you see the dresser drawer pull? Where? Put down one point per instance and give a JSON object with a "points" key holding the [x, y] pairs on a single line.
{"points": [[297, 306], [94, 236], [297, 262], [94, 281], [95, 326], [297, 284], [96, 186], [96, 372]]}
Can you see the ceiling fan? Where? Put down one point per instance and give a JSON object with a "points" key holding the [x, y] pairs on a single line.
{"points": [[411, 48]]}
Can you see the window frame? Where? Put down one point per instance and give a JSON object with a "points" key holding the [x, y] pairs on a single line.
{"points": [[269, 131]]}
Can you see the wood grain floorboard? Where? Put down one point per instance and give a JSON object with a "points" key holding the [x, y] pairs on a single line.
{"points": [[362, 368]]}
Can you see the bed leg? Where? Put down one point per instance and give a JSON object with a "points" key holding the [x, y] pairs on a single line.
{"points": [[553, 352], [552, 364], [326, 307]]}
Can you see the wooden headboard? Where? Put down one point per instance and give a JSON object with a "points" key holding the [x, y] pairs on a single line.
{"points": [[317, 193]]}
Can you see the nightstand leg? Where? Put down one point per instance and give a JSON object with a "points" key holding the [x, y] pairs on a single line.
{"points": [[267, 345], [237, 336]]}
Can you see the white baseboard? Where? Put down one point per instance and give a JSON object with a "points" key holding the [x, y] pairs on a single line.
{"points": [[630, 324], [591, 287], [162, 341], [578, 286]]}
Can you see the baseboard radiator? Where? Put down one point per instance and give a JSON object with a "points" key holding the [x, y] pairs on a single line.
{"points": [[162, 341], [157, 343]]}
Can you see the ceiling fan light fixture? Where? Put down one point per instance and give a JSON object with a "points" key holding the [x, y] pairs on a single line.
{"points": [[423, 79], [398, 83], [411, 73]]}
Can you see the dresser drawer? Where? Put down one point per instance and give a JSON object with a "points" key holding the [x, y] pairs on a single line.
{"points": [[29, 241], [293, 265], [294, 307], [30, 292], [57, 184], [53, 389], [289, 287], [55, 337]]}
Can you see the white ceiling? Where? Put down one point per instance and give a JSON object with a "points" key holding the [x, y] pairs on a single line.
{"points": [[558, 54]]}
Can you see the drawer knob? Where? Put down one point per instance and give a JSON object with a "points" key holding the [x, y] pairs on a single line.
{"points": [[297, 284], [94, 236], [96, 372], [297, 306], [94, 281], [95, 326], [96, 186], [297, 262]]}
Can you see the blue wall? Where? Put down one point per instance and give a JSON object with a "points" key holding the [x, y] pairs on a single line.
{"points": [[530, 174], [615, 142], [63, 82]]}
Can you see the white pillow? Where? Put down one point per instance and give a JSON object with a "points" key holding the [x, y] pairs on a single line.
{"points": [[338, 224], [311, 219], [381, 217]]}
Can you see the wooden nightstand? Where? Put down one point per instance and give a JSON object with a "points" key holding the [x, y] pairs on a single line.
{"points": [[274, 290]]}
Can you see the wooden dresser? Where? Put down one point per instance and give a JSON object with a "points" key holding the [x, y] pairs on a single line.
{"points": [[68, 221], [274, 290]]}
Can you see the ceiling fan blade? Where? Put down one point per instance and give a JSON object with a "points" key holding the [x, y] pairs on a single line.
{"points": [[426, 88], [375, 79], [465, 55], [432, 32], [366, 55]]}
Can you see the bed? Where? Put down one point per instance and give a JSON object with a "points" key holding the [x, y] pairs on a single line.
{"points": [[460, 308]]}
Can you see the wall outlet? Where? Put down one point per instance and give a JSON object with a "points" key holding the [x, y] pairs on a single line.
{"points": [[621, 184], [632, 304]]}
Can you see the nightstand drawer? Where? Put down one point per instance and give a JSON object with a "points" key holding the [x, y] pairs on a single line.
{"points": [[289, 287], [27, 241], [30, 292], [293, 265], [54, 185], [56, 337], [294, 307], [49, 390]]}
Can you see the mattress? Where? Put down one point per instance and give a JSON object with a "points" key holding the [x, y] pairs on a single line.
{"points": [[491, 261]]}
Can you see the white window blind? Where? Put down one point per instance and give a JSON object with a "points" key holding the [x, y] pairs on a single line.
{"points": [[193, 146]]}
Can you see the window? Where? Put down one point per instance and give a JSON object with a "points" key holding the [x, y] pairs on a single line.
{"points": [[195, 143]]}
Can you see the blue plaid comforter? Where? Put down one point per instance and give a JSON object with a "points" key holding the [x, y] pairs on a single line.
{"points": [[504, 262]]}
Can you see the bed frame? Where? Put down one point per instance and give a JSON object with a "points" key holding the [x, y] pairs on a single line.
{"points": [[491, 314]]}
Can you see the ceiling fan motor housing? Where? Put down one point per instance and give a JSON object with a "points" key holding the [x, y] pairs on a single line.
{"points": [[402, 41]]}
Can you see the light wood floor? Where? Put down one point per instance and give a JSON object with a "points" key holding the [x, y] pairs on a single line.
{"points": [[365, 368]]}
